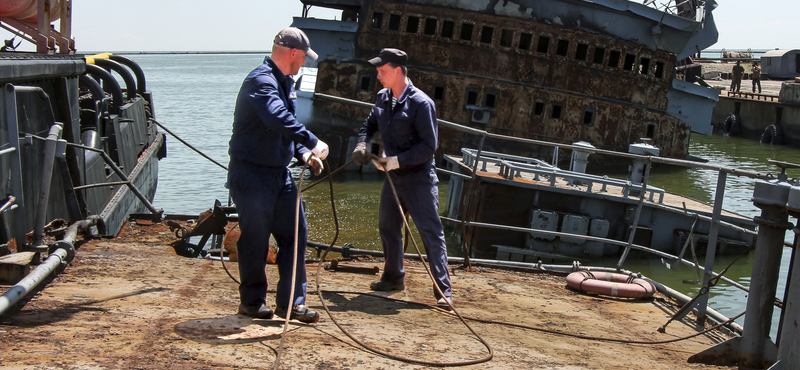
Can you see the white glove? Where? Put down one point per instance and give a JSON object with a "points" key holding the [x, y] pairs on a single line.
{"points": [[386, 164], [314, 162], [321, 150]]}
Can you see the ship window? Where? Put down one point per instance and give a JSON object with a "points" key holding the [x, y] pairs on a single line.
{"points": [[466, 31], [472, 97], [438, 92], [613, 59], [588, 116], [651, 130], [581, 52], [563, 47], [377, 20], [630, 61], [413, 24], [394, 22], [486, 34], [447, 29], [430, 27], [506, 38], [659, 70], [365, 82], [525, 41], [599, 55], [644, 66], [555, 112], [538, 108], [490, 100], [544, 44]]}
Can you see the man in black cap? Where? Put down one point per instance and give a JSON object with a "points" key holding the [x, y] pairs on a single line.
{"points": [[406, 120], [265, 137]]}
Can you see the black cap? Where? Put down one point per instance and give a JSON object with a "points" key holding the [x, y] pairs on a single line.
{"points": [[394, 56], [295, 38]]}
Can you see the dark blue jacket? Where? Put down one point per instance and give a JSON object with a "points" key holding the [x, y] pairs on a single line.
{"points": [[409, 132], [265, 131]]}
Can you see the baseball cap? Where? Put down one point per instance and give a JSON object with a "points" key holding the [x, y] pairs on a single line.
{"points": [[295, 38], [394, 56]]}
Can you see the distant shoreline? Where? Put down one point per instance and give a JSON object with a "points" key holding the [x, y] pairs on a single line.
{"points": [[262, 52]]}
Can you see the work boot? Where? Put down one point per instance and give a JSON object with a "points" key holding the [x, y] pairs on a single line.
{"points": [[256, 311], [442, 303], [300, 313], [385, 285]]}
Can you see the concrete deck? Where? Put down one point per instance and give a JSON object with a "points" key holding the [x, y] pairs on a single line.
{"points": [[129, 303]]}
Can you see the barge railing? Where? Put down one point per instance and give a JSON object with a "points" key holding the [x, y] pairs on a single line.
{"points": [[538, 168], [702, 302]]}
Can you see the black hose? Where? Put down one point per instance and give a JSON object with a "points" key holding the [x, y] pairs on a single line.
{"points": [[130, 83], [109, 83], [141, 88]]}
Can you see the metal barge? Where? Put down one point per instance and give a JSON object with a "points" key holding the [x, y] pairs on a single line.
{"points": [[77, 150]]}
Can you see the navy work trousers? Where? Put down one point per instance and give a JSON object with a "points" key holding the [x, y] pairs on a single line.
{"points": [[265, 203], [422, 203]]}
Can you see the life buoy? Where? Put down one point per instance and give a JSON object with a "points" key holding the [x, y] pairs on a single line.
{"points": [[772, 135], [607, 283]]}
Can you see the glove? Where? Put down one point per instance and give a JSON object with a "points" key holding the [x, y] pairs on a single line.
{"points": [[359, 156], [321, 150], [314, 162], [386, 164]]}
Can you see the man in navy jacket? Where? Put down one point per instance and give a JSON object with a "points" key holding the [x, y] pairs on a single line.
{"points": [[406, 119], [266, 136]]}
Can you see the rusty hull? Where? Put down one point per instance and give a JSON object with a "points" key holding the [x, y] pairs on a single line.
{"points": [[625, 104]]}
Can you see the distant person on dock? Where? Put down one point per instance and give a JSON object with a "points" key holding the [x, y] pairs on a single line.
{"points": [[755, 75], [266, 136], [406, 120], [738, 73]]}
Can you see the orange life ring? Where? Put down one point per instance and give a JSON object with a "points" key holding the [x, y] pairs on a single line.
{"points": [[607, 283]]}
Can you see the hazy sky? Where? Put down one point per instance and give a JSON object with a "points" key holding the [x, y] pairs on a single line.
{"points": [[183, 25]]}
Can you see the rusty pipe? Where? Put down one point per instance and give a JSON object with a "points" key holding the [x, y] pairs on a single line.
{"points": [[62, 253]]}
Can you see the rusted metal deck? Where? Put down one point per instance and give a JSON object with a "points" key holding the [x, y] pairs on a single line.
{"points": [[130, 303]]}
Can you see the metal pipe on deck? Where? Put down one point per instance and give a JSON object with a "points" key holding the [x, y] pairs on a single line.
{"points": [[63, 253], [47, 175]]}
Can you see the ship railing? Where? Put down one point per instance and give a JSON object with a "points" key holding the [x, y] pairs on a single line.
{"points": [[511, 166], [469, 157], [701, 303], [510, 170]]}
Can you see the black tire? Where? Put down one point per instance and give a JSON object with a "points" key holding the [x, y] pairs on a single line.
{"points": [[732, 125], [772, 135]]}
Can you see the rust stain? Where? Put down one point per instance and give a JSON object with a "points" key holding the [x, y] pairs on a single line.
{"points": [[609, 105]]}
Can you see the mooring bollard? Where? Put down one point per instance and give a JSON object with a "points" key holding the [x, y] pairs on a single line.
{"points": [[755, 350]]}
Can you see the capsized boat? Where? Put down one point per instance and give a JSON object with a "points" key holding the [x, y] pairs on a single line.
{"points": [[600, 71]]}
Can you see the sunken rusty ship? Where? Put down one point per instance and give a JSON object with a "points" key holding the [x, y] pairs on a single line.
{"points": [[601, 71]]}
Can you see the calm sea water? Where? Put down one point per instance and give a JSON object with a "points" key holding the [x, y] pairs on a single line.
{"points": [[195, 94]]}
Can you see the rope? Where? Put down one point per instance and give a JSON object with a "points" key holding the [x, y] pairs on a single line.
{"points": [[453, 313], [549, 331], [190, 145], [367, 346], [294, 265]]}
